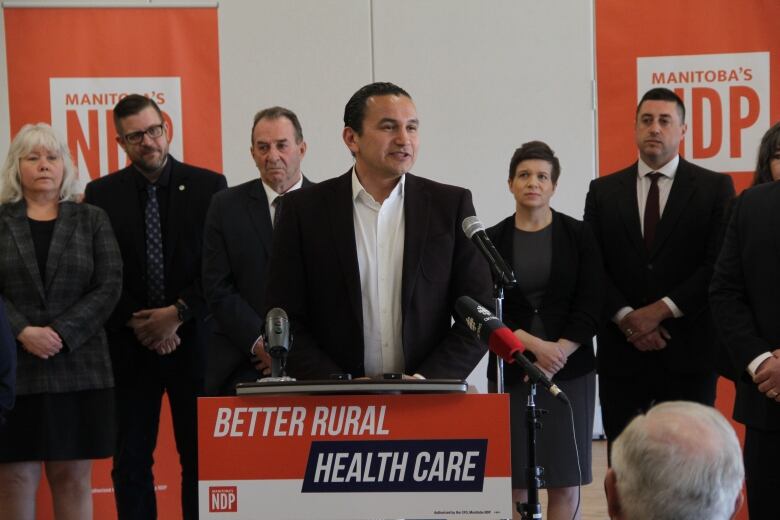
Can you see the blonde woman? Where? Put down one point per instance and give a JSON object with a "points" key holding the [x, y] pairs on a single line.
{"points": [[60, 276]]}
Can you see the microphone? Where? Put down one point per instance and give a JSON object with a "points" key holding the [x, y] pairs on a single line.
{"points": [[277, 339], [502, 341], [475, 232]]}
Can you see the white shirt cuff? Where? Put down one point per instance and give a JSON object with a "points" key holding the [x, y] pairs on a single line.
{"points": [[252, 348], [753, 366], [620, 314], [676, 312]]}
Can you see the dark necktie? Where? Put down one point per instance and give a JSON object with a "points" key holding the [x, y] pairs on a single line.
{"points": [[155, 283], [277, 204], [652, 209]]}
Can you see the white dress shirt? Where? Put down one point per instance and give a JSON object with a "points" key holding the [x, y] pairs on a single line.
{"points": [[379, 237]]}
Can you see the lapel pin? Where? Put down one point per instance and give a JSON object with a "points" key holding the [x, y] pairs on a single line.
{"points": [[181, 187]]}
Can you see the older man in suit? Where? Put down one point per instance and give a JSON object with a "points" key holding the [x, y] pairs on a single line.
{"points": [[237, 247], [746, 307], [659, 224], [368, 265], [157, 208]]}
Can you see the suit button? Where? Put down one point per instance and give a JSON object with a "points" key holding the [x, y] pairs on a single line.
{"points": [[536, 311], [649, 267]]}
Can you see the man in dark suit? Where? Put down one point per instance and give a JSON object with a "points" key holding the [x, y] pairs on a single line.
{"points": [[237, 246], [746, 309], [659, 225], [368, 265], [157, 207]]}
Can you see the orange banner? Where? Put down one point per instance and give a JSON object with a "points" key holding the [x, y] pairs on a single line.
{"points": [[69, 67], [719, 63]]}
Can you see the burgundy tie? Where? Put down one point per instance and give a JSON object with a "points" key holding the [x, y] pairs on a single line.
{"points": [[652, 209]]}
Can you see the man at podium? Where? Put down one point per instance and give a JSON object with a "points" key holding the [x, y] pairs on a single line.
{"points": [[368, 265]]}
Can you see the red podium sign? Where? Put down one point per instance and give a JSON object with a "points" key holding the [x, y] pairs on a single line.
{"points": [[355, 457]]}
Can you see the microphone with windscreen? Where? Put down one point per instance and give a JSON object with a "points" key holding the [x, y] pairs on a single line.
{"points": [[475, 232], [502, 341]]}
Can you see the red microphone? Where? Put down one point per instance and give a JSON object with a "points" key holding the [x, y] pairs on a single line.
{"points": [[502, 341]]}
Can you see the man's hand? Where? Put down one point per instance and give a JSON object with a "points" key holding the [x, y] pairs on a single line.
{"points": [[768, 377], [42, 342], [644, 320], [260, 358], [653, 340], [152, 326], [166, 346]]}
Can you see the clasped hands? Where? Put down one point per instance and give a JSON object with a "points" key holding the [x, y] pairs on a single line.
{"points": [[550, 356], [642, 327], [156, 328], [42, 342]]}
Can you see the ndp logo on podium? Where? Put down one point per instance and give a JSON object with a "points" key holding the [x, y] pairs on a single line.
{"points": [[727, 102], [82, 110], [223, 499]]}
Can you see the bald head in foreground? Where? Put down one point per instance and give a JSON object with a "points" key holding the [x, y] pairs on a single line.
{"points": [[681, 460]]}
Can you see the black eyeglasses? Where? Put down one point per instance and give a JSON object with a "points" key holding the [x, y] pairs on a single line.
{"points": [[136, 137]]}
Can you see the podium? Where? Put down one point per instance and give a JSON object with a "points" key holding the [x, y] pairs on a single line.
{"points": [[354, 450]]}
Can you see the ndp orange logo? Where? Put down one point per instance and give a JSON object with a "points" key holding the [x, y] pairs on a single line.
{"points": [[223, 499], [727, 101]]}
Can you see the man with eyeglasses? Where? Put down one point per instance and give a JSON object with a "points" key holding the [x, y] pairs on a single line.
{"points": [[157, 207]]}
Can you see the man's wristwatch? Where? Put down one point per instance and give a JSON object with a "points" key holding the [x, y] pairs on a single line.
{"points": [[182, 311]]}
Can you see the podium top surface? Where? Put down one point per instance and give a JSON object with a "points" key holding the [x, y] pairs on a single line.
{"points": [[360, 386]]}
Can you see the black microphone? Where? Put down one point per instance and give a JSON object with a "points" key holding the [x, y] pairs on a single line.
{"points": [[475, 232], [502, 341], [277, 339]]}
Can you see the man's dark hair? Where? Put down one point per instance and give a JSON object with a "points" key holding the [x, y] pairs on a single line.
{"points": [[535, 150], [130, 105], [276, 113], [355, 110], [770, 144], [663, 94]]}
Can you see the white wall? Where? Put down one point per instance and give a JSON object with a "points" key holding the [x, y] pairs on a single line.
{"points": [[486, 75]]}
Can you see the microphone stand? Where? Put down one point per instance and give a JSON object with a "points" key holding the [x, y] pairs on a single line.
{"points": [[498, 293], [532, 509]]}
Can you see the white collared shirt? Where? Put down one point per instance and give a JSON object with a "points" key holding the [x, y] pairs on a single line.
{"points": [[271, 195], [379, 237]]}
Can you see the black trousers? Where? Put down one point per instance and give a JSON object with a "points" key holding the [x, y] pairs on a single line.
{"points": [[762, 458], [624, 397], [138, 409]]}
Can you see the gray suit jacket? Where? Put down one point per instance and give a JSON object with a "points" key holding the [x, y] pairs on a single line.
{"points": [[83, 282]]}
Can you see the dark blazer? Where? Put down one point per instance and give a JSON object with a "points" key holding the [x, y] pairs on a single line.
{"points": [[571, 306], [83, 282], [236, 249], [744, 296], [314, 276], [7, 366], [191, 189], [679, 264]]}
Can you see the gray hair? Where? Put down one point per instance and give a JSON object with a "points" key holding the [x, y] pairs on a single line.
{"points": [[681, 460], [29, 138]]}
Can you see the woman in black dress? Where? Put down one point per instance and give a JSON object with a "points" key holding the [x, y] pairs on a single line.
{"points": [[554, 311], [60, 277]]}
